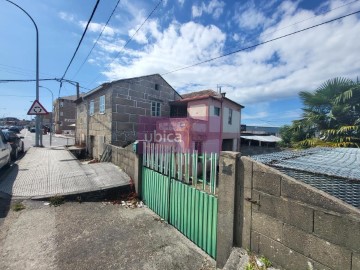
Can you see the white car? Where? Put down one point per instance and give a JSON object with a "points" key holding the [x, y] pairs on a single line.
{"points": [[5, 150]]}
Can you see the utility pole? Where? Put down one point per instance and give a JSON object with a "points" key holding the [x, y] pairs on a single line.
{"points": [[37, 126], [52, 111]]}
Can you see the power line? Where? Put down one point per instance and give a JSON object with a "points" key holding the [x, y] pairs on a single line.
{"points": [[82, 37], [261, 43], [309, 18], [30, 80], [130, 39], [54, 79], [112, 13], [16, 96]]}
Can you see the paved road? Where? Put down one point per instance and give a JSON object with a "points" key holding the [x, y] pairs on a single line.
{"points": [[94, 236], [45, 172], [29, 139]]}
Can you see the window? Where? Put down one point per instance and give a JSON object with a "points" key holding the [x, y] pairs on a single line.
{"points": [[61, 104], [61, 114], [91, 110], [102, 104], [217, 111], [230, 117], [155, 108], [156, 86]]}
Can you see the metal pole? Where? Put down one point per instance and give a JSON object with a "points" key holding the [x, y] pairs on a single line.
{"points": [[37, 126], [52, 111]]}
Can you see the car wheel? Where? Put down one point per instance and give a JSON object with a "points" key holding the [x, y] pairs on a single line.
{"points": [[8, 164], [16, 154]]}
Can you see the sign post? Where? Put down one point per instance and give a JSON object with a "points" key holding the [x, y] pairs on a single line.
{"points": [[37, 109]]}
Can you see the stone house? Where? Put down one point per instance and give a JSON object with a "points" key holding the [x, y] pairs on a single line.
{"points": [[65, 114], [110, 113]]}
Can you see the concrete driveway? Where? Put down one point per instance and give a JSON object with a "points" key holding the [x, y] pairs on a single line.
{"points": [[93, 236], [46, 172]]}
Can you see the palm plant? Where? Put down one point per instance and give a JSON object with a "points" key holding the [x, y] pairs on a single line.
{"points": [[331, 115]]}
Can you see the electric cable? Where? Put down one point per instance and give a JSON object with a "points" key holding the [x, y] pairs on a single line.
{"points": [[261, 43], [77, 48], [112, 13], [130, 39]]}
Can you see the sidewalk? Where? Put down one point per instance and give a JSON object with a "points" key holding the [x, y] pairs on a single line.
{"points": [[45, 172]]}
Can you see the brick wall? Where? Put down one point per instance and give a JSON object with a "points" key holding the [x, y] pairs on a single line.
{"points": [[294, 225]]}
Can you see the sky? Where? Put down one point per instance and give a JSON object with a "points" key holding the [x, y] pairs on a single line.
{"points": [[266, 79]]}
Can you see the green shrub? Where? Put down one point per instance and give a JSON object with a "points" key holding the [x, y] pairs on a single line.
{"points": [[57, 200], [18, 206]]}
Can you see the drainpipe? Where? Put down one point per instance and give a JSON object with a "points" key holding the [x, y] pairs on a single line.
{"points": [[87, 106], [221, 122]]}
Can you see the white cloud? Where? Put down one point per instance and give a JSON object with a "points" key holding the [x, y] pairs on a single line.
{"points": [[215, 7], [148, 30], [97, 28], [304, 60], [66, 16], [181, 2], [249, 17]]}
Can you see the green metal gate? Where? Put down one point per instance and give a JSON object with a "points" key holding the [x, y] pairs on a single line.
{"points": [[172, 189]]}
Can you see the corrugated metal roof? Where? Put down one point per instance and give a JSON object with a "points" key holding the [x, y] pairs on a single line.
{"points": [[270, 138], [333, 170]]}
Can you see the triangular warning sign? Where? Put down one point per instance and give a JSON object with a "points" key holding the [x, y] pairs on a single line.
{"points": [[37, 109]]}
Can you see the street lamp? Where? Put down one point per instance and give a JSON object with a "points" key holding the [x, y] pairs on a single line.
{"points": [[37, 126], [52, 111]]}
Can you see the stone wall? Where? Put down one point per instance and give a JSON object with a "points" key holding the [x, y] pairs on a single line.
{"points": [[125, 100], [129, 162], [133, 98], [64, 115], [293, 224]]}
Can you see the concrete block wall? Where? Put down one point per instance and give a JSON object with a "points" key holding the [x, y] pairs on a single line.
{"points": [[292, 224], [81, 124], [129, 162], [132, 98]]}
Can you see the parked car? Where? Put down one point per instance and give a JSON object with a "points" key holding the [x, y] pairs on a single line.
{"points": [[5, 152], [32, 130], [16, 142], [15, 129]]}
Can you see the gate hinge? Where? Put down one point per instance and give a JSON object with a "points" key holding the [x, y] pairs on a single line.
{"points": [[252, 201]]}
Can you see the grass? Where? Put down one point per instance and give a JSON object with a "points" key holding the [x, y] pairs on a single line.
{"points": [[18, 207], [57, 200], [253, 263]]}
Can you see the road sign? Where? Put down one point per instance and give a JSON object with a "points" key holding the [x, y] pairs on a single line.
{"points": [[37, 109]]}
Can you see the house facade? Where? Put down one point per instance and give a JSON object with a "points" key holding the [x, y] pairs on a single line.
{"points": [[206, 121], [110, 113], [65, 115]]}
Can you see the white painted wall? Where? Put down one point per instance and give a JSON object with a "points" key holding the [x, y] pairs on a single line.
{"points": [[197, 111], [235, 126]]}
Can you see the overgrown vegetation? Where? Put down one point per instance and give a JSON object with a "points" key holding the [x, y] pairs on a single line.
{"points": [[18, 206], [331, 117], [57, 200], [255, 263]]}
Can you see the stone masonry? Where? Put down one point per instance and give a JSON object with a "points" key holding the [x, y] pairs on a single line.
{"points": [[125, 101], [294, 225]]}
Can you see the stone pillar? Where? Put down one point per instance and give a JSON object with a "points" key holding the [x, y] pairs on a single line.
{"points": [[226, 205], [138, 173]]}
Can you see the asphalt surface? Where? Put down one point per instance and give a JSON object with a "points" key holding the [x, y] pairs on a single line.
{"points": [[94, 236]]}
